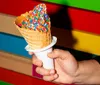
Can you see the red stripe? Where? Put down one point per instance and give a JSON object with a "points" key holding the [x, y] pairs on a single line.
{"points": [[85, 20], [20, 79], [80, 19]]}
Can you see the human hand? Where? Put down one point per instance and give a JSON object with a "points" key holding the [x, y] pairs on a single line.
{"points": [[68, 70], [65, 67]]}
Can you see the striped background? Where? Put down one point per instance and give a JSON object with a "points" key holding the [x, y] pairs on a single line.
{"points": [[83, 21], [76, 23], [14, 78]]}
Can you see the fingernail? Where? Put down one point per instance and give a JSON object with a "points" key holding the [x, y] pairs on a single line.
{"points": [[49, 54], [38, 63], [55, 76], [30, 53], [52, 72]]}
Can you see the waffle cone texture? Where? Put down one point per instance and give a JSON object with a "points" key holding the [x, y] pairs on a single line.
{"points": [[34, 38]]}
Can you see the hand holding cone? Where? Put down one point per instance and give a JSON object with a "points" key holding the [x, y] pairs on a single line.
{"points": [[35, 28]]}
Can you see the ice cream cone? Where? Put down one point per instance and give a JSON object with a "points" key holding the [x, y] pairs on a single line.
{"points": [[35, 39], [35, 27]]}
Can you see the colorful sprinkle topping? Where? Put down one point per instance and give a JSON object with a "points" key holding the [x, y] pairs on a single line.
{"points": [[37, 19]]}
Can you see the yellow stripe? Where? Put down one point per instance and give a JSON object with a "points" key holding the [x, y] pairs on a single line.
{"points": [[87, 42]]}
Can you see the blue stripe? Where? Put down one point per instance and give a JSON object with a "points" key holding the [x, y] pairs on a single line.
{"points": [[16, 45], [13, 44]]}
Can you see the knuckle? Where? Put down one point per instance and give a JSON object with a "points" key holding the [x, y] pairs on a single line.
{"points": [[67, 52], [56, 51], [46, 78]]}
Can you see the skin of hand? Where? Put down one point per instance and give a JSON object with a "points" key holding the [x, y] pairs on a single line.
{"points": [[67, 69]]}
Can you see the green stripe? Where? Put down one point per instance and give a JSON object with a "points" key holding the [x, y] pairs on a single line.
{"points": [[93, 5], [4, 83]]}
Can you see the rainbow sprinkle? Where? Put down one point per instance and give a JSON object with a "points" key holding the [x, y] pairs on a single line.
{"points": [[37, 19]]}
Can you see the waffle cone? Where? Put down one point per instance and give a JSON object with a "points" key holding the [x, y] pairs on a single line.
{"points": [[35, 39]]}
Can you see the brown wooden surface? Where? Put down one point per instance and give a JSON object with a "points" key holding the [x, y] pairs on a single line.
{"points": [[7, 24], [16, 63]]}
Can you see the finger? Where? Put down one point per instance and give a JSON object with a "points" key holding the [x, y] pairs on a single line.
{"points": [[30, 53], [44, 72], [50, 78], [36, 61], [57, 53]]}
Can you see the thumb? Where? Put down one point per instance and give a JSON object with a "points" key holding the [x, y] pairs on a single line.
{"points": [[57, 53]]}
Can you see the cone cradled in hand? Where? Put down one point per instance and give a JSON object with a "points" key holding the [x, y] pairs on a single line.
{"points": [[35, 27]]}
